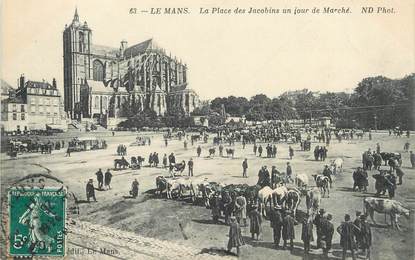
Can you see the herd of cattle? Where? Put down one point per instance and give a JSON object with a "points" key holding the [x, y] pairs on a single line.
{"points": [[286, 194]]}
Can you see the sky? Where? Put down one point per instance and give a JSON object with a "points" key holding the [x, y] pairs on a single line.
{"points": [[235, 54]]}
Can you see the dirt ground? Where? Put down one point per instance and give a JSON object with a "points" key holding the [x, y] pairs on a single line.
{"points": [[186, 224]]}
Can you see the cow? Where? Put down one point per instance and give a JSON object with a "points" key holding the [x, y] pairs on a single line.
{"points": [[180, 185], [337, 165], [322, 182], [313, 200], [387, 206], [301, 180], [230, 152], [293, 199]]}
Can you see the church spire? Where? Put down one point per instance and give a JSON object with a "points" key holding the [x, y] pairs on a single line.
{"points": [[76, 17]]}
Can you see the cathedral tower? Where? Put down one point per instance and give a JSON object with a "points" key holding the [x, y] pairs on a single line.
{"points": [[77, 38]]}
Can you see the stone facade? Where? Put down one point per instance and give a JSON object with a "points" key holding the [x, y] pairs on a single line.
{"points": [[34, 105], [101, 81], [14, 114]]}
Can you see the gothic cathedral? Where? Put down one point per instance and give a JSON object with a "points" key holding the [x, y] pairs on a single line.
{"points": [[102, 82]]}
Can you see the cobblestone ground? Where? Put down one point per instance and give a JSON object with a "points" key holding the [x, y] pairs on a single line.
{"points": [[92, 241]]}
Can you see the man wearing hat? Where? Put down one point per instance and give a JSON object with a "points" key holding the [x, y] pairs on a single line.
{"points": [[240, 210], [244, 168], [357, 222], [235, 236], [214, 204], [366, 237], [347, 231], [255, 223], [90, 190], [276, 224], [318, 221], [327, 172], [288, 232], [327, 231], [289, 172], [307, 233]]}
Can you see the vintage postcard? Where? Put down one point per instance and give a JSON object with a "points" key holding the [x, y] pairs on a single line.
{"points": [[207, 129]]}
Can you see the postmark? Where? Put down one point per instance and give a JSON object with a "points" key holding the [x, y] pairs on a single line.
{"points": [[37, 221]]}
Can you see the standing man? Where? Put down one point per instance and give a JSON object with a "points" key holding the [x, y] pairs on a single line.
{"points": [[307, 233], [185, 144], [327, 231], [377, 148], [275, 178], [412, 159], [318, 220], [357, 222], [108, 177], [100, 178], [68, 151], [327, 172], [255, 148], [289, 172], [255, 222], [366, 236], [260, 150], [198, 151], [90, 190], [288, 232], [190, 165], [165, 161], [240, 210], [244, 168], [235, 236], [276, 224], [291, 152], [220, 150], [134, 188], [166, 142], [347, 231]]}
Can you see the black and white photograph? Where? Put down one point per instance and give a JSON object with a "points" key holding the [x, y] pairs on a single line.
{"points": [[207, 129]]}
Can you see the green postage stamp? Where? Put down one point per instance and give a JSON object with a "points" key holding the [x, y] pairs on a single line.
{"points": [[37, 221]]}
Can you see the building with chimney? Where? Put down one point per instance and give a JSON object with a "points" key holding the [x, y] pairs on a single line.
{"points": [[102, 82], [34, 105]]}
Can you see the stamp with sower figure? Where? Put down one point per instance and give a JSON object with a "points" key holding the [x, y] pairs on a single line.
{"points": [[37, 221]]}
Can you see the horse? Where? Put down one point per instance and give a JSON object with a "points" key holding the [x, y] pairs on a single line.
{"points": [[122, 163], [322, 182], [212, 152], [230, 152], [267, 194]]}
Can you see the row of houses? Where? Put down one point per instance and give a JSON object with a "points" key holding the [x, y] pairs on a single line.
{"points": [[33, 105]]}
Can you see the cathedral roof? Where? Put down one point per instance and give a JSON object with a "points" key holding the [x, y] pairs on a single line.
{"points": [[139, 48], [98, 86], [103, 50]]}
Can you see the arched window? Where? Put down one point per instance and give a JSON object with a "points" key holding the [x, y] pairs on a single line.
{"points": [[98, 71]]}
